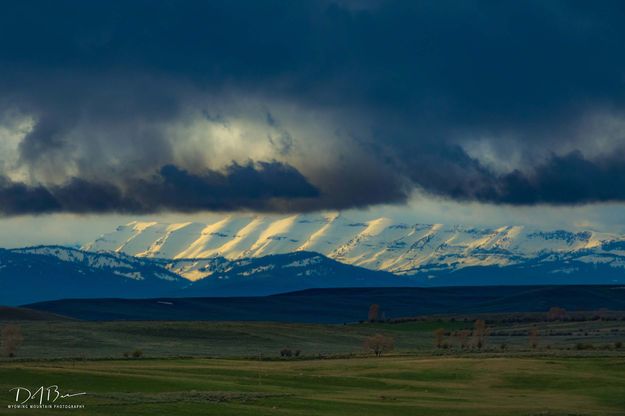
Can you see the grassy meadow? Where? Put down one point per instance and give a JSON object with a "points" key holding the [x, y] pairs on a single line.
{"points": [[61, 339], [235, 368], [389, 385]]}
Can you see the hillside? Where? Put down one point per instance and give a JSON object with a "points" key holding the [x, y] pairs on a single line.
{"points": [[24, 314], [346, 305]]}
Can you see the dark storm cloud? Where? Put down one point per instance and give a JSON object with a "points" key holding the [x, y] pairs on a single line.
{"points": [[18, 198], [418, 74], [264, 186], [560, 180], [569, 179]]}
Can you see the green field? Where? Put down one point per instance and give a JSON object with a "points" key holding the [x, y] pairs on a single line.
{"points": [[86, 340], [235, 368], [358, 386]]}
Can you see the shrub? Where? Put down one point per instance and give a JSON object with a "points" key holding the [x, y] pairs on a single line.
{"points": [[286, 352], [137, 353], [584, 346], [618, 344]]}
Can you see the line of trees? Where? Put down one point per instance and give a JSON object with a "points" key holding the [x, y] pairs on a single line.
{"points": [[480, 335]]}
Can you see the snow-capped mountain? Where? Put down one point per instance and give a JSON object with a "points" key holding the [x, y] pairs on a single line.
{"points": [[54, 272], [120, 264], [377, 244], [41, 273], [289, 272]]}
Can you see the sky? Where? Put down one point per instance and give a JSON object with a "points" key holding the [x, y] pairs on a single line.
{"points": [[479, 112]]}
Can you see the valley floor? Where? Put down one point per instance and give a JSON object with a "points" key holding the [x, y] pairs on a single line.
{"points": [[392, 385], [508, 334], [236, 368]]}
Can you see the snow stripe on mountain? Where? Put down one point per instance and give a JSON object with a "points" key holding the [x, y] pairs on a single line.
{"points": [[378, 244]]}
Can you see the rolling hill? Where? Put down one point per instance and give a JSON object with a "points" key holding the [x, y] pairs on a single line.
{"points": [[345, 304]]}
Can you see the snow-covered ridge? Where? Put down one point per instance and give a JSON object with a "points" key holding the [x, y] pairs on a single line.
{"points": [[137, 268], [378, 244], [119, 264]]}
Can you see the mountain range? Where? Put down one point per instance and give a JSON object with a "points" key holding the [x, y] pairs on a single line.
{"points": [[255, 256], [377, 244], [54, 272]]}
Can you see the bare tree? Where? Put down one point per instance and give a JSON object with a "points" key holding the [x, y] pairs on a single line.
{"points": [[533, 337], [379, 344], [601, 314], [463, 338], [11, 339], [556, 314], [374, 311], [480, 333], [439, 334]]}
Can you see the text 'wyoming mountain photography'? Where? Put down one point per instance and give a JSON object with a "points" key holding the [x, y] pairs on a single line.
{"points": [[312, 208]]}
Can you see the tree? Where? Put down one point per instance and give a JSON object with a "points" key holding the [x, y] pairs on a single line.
{"points": [[11, 339], [601, 314], [556, 314], [480, 333], [374, 311], [439, 334], [463, 338], [379, 344], [533, 337]]}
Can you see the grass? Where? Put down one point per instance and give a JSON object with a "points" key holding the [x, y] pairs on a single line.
{"points": [[358, 386], [79, 339], [234, 368]]}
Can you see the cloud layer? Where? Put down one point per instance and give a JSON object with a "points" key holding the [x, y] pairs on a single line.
{"points": [[139, 106], [261, 187]]}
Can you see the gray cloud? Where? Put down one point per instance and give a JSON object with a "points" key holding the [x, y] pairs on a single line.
{"points": [[569, 179], [407, 84], [264, 186]]}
